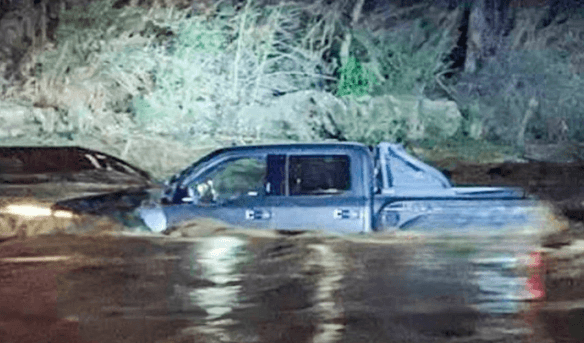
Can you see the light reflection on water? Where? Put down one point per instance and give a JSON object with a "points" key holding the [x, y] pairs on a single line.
{"points": [[433, 288], [219, 257], [233, 287], [328, 306]]}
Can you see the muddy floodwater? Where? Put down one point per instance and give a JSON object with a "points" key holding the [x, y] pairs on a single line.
{"points": [[69, 278], [227, 285]]}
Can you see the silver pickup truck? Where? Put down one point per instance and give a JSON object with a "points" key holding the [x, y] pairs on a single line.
{"points": [[347, 188], [334, 187]]}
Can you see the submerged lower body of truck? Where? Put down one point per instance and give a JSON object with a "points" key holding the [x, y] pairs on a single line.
{"points": [[493, 235], [485, 252], [457, 210], [459, 216]]}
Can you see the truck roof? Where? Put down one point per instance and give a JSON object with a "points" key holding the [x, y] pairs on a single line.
{"points": [[277, 147], [285, 146]]}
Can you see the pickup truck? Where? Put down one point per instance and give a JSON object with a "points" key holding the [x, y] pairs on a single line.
{"points": [[477, 241], [334, 187]]}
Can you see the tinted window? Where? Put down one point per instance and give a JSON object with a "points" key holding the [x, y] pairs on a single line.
{"points": [[319, 175]]}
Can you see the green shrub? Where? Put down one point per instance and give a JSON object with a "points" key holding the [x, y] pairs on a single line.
{"points": [[355, 79]]}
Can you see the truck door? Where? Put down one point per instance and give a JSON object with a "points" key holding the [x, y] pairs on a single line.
{"points": [[317, 193], [234, 191]]}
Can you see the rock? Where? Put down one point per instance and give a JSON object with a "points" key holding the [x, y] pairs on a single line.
{"points": [[297, 115], [421, 117], [313, 115], [15, 120], [442, 116], [47, 117]]}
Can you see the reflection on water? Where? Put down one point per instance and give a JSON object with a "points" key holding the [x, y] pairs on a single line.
{"points": [[328, 306], [218, 257], [315, 289], [311, 288], [501, 290]]}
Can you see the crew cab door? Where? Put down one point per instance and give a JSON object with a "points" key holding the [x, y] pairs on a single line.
{"points": [[232, 191], [316, 192]]}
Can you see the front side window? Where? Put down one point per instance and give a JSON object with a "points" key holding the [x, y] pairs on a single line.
{"points": [[231, 179], [318, 175]]}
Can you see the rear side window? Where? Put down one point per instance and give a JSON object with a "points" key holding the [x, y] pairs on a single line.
{"points": [[319, 175]]}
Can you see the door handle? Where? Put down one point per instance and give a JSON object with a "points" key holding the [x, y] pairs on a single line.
{"points": [[257, 214], [345, 214]]}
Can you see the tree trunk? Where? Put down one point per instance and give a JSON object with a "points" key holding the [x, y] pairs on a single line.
{"points": [[346, 45], [489, 22], [531, 109]]}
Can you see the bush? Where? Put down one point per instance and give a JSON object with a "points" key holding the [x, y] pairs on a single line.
{"points": [[193, 76], [218, 66], [73, 76], [355, 79], [404, 60], [176, 74], [507, 82]]}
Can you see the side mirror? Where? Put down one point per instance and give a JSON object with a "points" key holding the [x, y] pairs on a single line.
{"points": [[190, 196], [185, 195]]}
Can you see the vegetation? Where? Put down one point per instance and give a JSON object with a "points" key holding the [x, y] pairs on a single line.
{"points": [[505, 84], [287, 71], [355, 79], [406, 60]]}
